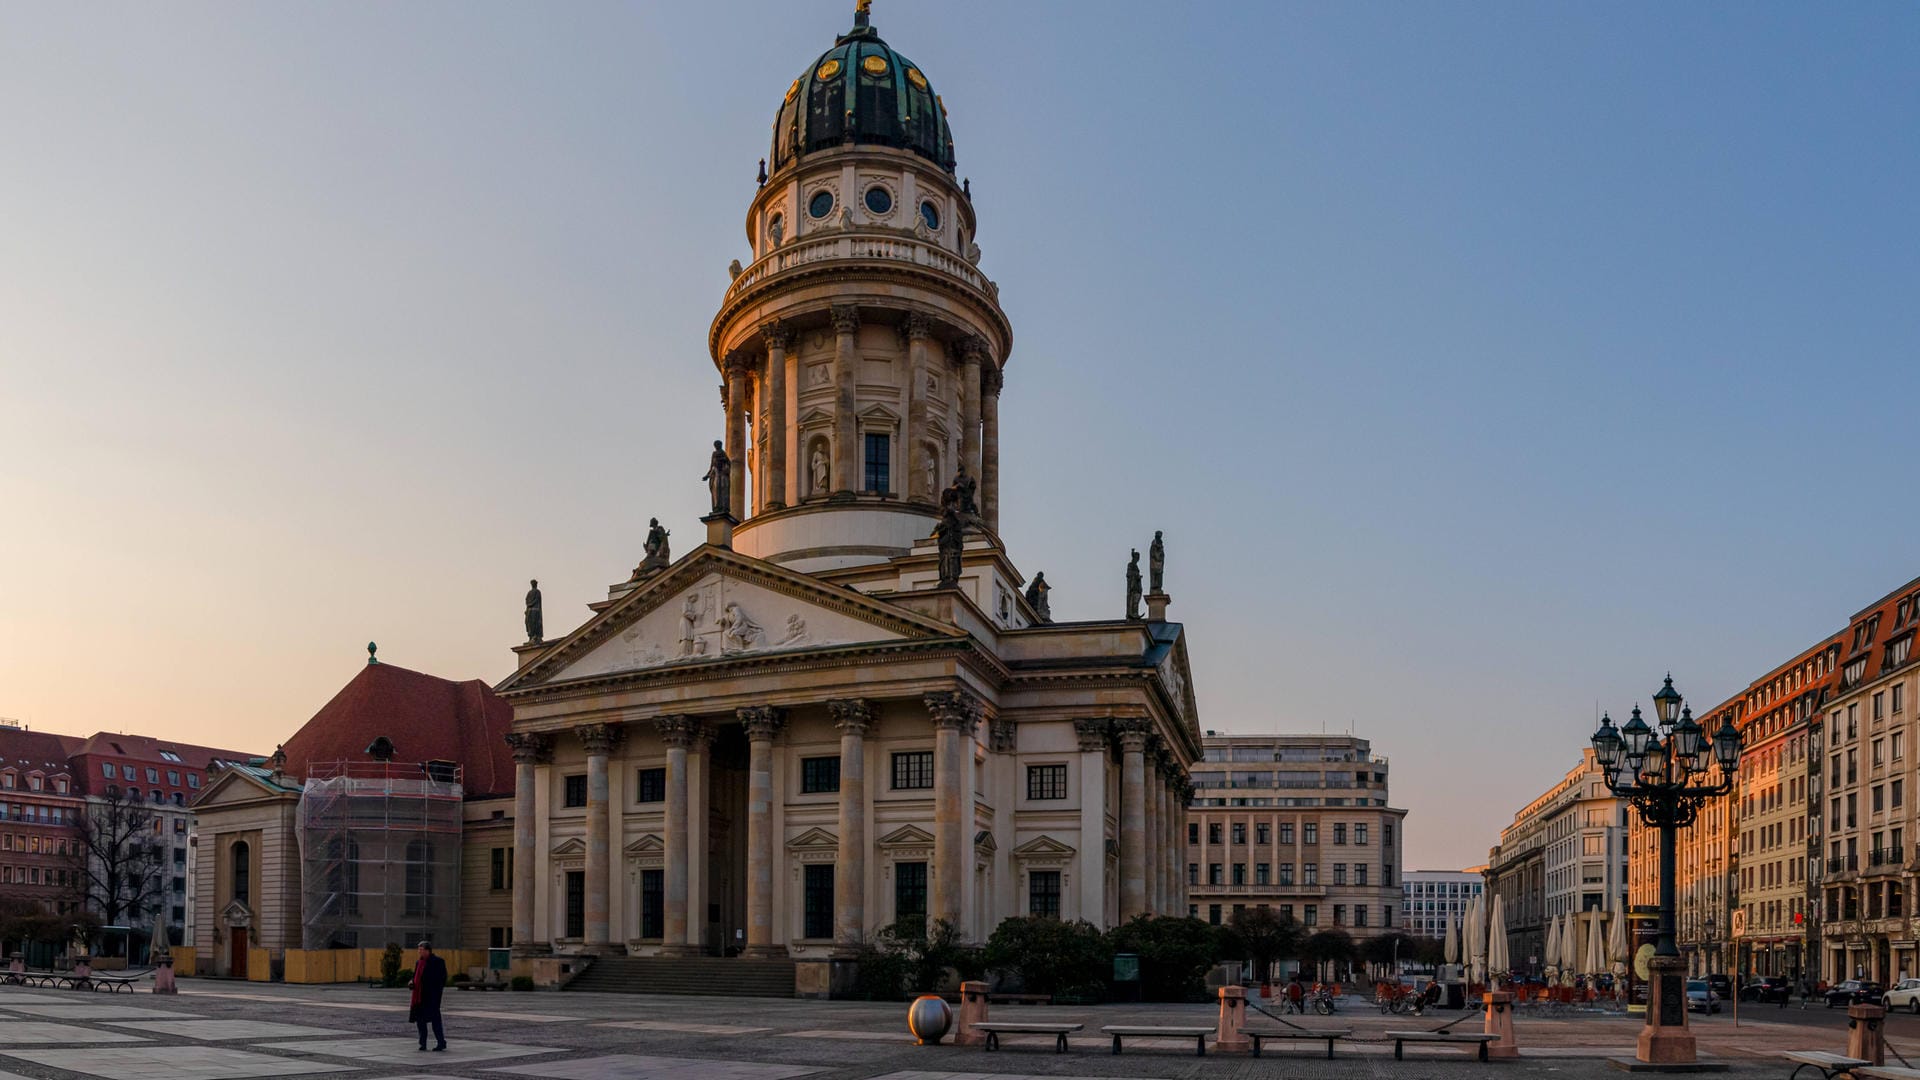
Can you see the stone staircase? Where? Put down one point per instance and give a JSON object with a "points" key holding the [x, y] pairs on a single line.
{"points": [[711, 975]]}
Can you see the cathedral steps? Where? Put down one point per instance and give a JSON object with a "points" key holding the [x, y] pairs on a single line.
{"points": [[712, 975]]}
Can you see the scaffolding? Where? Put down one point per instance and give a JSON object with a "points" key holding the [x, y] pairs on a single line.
{"points": [[380, 854]]}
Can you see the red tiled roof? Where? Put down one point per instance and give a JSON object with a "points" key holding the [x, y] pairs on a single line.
{"points": [[37, 749], [146, 748], [426, 717]]}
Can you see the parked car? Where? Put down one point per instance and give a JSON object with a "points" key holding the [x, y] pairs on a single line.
{"points": [[1771, 989], [1721, 985], [1701, 998], [1855, 992], [1904, 996]]}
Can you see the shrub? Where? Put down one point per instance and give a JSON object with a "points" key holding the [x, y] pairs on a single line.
{"points": [[1051, 956], [1175, 954], [879, 973], [522, 982], [390, 975]]}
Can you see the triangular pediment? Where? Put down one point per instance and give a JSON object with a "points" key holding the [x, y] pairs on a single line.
{"points": [[650, 844], [1169, 656], [815, 839], [718, 606], [236, 786], [571, 846], [906, 836], [1043, 845]]}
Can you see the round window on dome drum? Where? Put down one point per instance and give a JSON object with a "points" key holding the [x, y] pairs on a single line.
{"points": [[930, 214], [879, 199], [821, 204]]}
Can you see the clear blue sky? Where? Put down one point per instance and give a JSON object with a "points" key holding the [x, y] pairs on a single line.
{"points": [[1481, 362]]}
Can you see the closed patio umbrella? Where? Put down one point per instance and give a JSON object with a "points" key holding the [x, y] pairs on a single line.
{"points": [[1596, 944], [1450, 945], [1497, 960], [1475, 945], [1550, 950]]}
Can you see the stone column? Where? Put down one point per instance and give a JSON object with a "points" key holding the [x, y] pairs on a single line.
{"points": [[918, 329], [846, 451], [1132, 734], [598, 740], [678, 732], [854, 718], [990, 382], [778, 336], [955, 713], [1150, 838], [973, 354], [1095, 741], [762, 724], [529, 753], [738, 368]]}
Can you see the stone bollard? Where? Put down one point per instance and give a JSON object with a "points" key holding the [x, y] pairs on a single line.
{"points": [[973, 1010], [1866, 1036], [163, 977], [1500, 1022], [1233, 1016]]}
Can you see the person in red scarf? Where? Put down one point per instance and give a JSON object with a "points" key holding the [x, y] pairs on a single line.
{"points": [[429, 981]]}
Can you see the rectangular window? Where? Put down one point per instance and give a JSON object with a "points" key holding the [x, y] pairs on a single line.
{"points": [[1359, 873], [577, 902], [909, 890], [1360, 835], [1261, 873], [1239, 832], [1339, 873], [1312, 916], [651, 786], [1213, 914], [912, 770], [1310, 873], [819, 775], [1213, 832], [1898, 789], [1286, 873], [1339, 914], [126, 772], [106, 769], [1286, 833], [653, 903], [1046, 781], [1359, 914], [1239, 873], [876, 474], [1879, 708], [576, 791], [819, 900], [1193, 832], [1898, 690], [501, 866], [1262, 833], [173, 777], [1311, 832], [1193, 873], [1043, 893], [1339, 833], [193, 779], [153, 776], [1213, 874]]}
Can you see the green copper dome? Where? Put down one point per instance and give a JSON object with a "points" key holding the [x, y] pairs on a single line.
{"points": [[861, 92]]}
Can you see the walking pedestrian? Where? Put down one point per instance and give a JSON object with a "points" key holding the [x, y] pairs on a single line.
{"points": [[429, 981]]}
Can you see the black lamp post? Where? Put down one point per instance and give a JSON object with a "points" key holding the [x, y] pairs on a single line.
{"points": [[1664, 772]]}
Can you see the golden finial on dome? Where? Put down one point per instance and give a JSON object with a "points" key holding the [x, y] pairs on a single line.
{"points": [[861, 10]]}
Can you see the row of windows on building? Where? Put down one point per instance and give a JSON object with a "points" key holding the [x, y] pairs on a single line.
{"points": [[912, 770], [10, 780], [909, 897], [34, 875], [1262, 874], [129, 772], [178, 798], [43, 815], [1303, 801], [1443, 888], [49, 845], [1309, 913], [1283, 754], [1287, 778], [1309, 832]]}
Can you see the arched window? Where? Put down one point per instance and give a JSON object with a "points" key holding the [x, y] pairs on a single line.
{"points": [[419, 878], [241, 857]]}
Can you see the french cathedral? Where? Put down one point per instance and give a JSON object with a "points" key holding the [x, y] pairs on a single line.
{"points": [[848, 706]]}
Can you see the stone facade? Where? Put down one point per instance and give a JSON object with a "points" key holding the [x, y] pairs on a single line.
{"points": [[1565, 853], [1432, 900], [797, 733]]}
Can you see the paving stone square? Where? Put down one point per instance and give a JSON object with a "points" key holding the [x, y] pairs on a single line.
{"points": [[79, 1010], [25, 1032], [173, 1063], [225, 1030], [405, 1050], [686, 1028], [649, 1067]]}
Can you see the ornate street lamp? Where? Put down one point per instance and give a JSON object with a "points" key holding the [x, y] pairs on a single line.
{"points": [[1666, 772]]}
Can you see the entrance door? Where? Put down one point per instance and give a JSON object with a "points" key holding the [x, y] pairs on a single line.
{"points": [[237, 953]]}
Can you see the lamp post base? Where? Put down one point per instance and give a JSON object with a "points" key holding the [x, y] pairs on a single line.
{"points": [[1666, 1040]]}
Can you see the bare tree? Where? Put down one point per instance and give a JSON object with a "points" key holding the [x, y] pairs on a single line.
{"points": [[118, 857]]}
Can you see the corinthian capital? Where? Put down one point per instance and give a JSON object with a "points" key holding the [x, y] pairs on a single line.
{"points": [[778, 334], [679, 729], [762, 722], [739, 365], [530, 748], [974, 349], [1133, 733], [918, 327], [954, 709], [599, 739], [1095, 733], [1004, 734], [991, 380], [853, 716], [846, 318]]}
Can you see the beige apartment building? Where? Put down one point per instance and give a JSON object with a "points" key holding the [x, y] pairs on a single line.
{"points": [[1298, 823], [1565, 853]]}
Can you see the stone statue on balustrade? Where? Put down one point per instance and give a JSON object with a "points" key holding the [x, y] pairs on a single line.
{"points": [[536, 623], [719, 479], [1157, 564], [1133, 586], [658, 556], [950, 536], [1037, 591]]}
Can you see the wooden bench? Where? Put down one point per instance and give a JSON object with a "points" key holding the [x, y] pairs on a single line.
{"points": [[995, 1029], [112, 984], [1020, 999], [1139, 1031], [1264, 1033], [1828, 1065], [1885, 1072], [1401, 1038]]}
